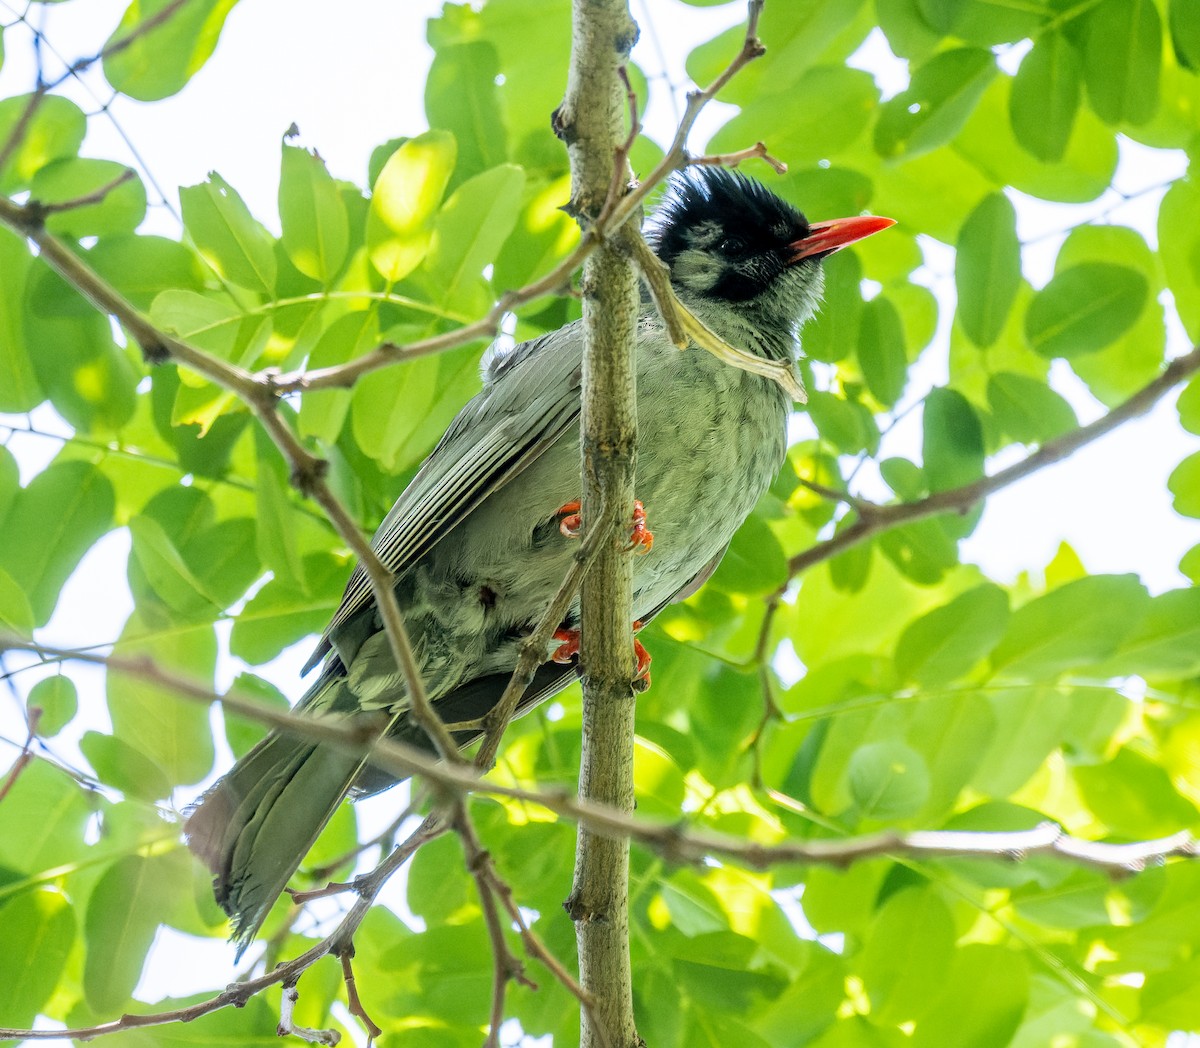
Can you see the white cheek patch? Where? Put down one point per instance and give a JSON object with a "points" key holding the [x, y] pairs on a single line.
{"points": [[697, 270]]}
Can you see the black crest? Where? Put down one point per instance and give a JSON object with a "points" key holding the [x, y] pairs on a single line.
{"points": [[746, 211], [733, 217]]}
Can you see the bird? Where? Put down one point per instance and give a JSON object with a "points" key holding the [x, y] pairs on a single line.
{"points": [[479, 540]]}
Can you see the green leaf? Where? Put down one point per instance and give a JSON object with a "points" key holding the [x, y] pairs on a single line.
{"points": [[1084, 308], [275, 522], [142, 266], [888, 780], [945, 643], [323, 412], [1185, 33], [987, 269], [847, 426], [821, 115], [966, 1018], [120, 209], [803, 34], [158, 61], [43, 820], [171, 730], [55, 130], [164, 568], [1184, 484], [953, 441], [53, 522], [832, 334], [1071, 627], [19, 388], [437, 887], [184, 558], [468, 233], [123, 913], [404, 202], [908, 33], [1027, 410], [988, 143], [119, 765], [220, 224], [983, 22], [1133, 796], [754, 563], [1122, 59], [1166, 644], [43, 923], [316, 230], [933, 108], [242, 733], [15, 612], [398, 414], [1179, 244], [90, 381], [904, 961], [1188, 406], [280, 614], [462, 97], [881, 351], [1168, 999], [56, 701], [1045, 97]]}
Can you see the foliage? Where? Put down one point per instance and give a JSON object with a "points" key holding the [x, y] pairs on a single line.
{"points": [[930, 697]]}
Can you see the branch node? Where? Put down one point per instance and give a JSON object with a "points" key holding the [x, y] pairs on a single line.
{"points": [[308, 474], [154, 352]]}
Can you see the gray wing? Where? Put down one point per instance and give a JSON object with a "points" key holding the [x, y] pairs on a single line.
{"points": [[530, 398]]}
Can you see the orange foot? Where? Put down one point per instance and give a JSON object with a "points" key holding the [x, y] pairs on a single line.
{"points": [[570, 648], [641, 538]]}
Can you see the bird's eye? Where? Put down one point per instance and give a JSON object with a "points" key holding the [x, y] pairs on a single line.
{"points": [[733, 246]]}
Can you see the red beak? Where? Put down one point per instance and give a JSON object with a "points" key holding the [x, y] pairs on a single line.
{"points": [[826, 237]]}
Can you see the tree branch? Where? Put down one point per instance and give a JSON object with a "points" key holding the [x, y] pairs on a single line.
{"points": [[874, 519], [590, 122]]}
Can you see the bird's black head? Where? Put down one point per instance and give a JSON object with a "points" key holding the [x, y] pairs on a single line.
{"points": [[724, 235], [743, 257]]}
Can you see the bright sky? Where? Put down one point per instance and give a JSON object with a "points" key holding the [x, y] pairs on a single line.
{"points": [[314, 63]]}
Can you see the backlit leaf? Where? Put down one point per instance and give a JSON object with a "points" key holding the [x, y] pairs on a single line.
{"points": [[53, 522], [1071, 627], [1045, 97], [946, 642], [316, 231], [1122, 58], [987, 269], [1084, 309], [931, 110], [152, 63], [42, 922], [405, 200], [221, 226]]}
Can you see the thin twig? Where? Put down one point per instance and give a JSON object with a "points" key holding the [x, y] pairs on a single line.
{"points": [[95, 197], [961, 499], [354, 1003], [24, 758], [533, 649]]}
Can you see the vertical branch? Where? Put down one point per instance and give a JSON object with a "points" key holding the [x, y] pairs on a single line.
{"points": [[590, 122]]}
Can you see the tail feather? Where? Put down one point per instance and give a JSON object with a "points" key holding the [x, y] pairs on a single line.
{"points": [[254, 826]]}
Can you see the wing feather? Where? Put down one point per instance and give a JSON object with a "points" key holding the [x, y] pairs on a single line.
{"points": [[530, 399]]}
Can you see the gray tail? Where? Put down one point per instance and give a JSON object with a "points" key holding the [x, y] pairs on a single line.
{"points": [[253, 827]]}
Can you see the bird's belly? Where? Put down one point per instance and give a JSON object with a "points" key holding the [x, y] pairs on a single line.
{"points": [[710, 439]]}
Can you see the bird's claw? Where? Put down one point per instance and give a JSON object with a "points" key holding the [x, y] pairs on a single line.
{"points": [[641, 538], [569, 648], [571, 521]]}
